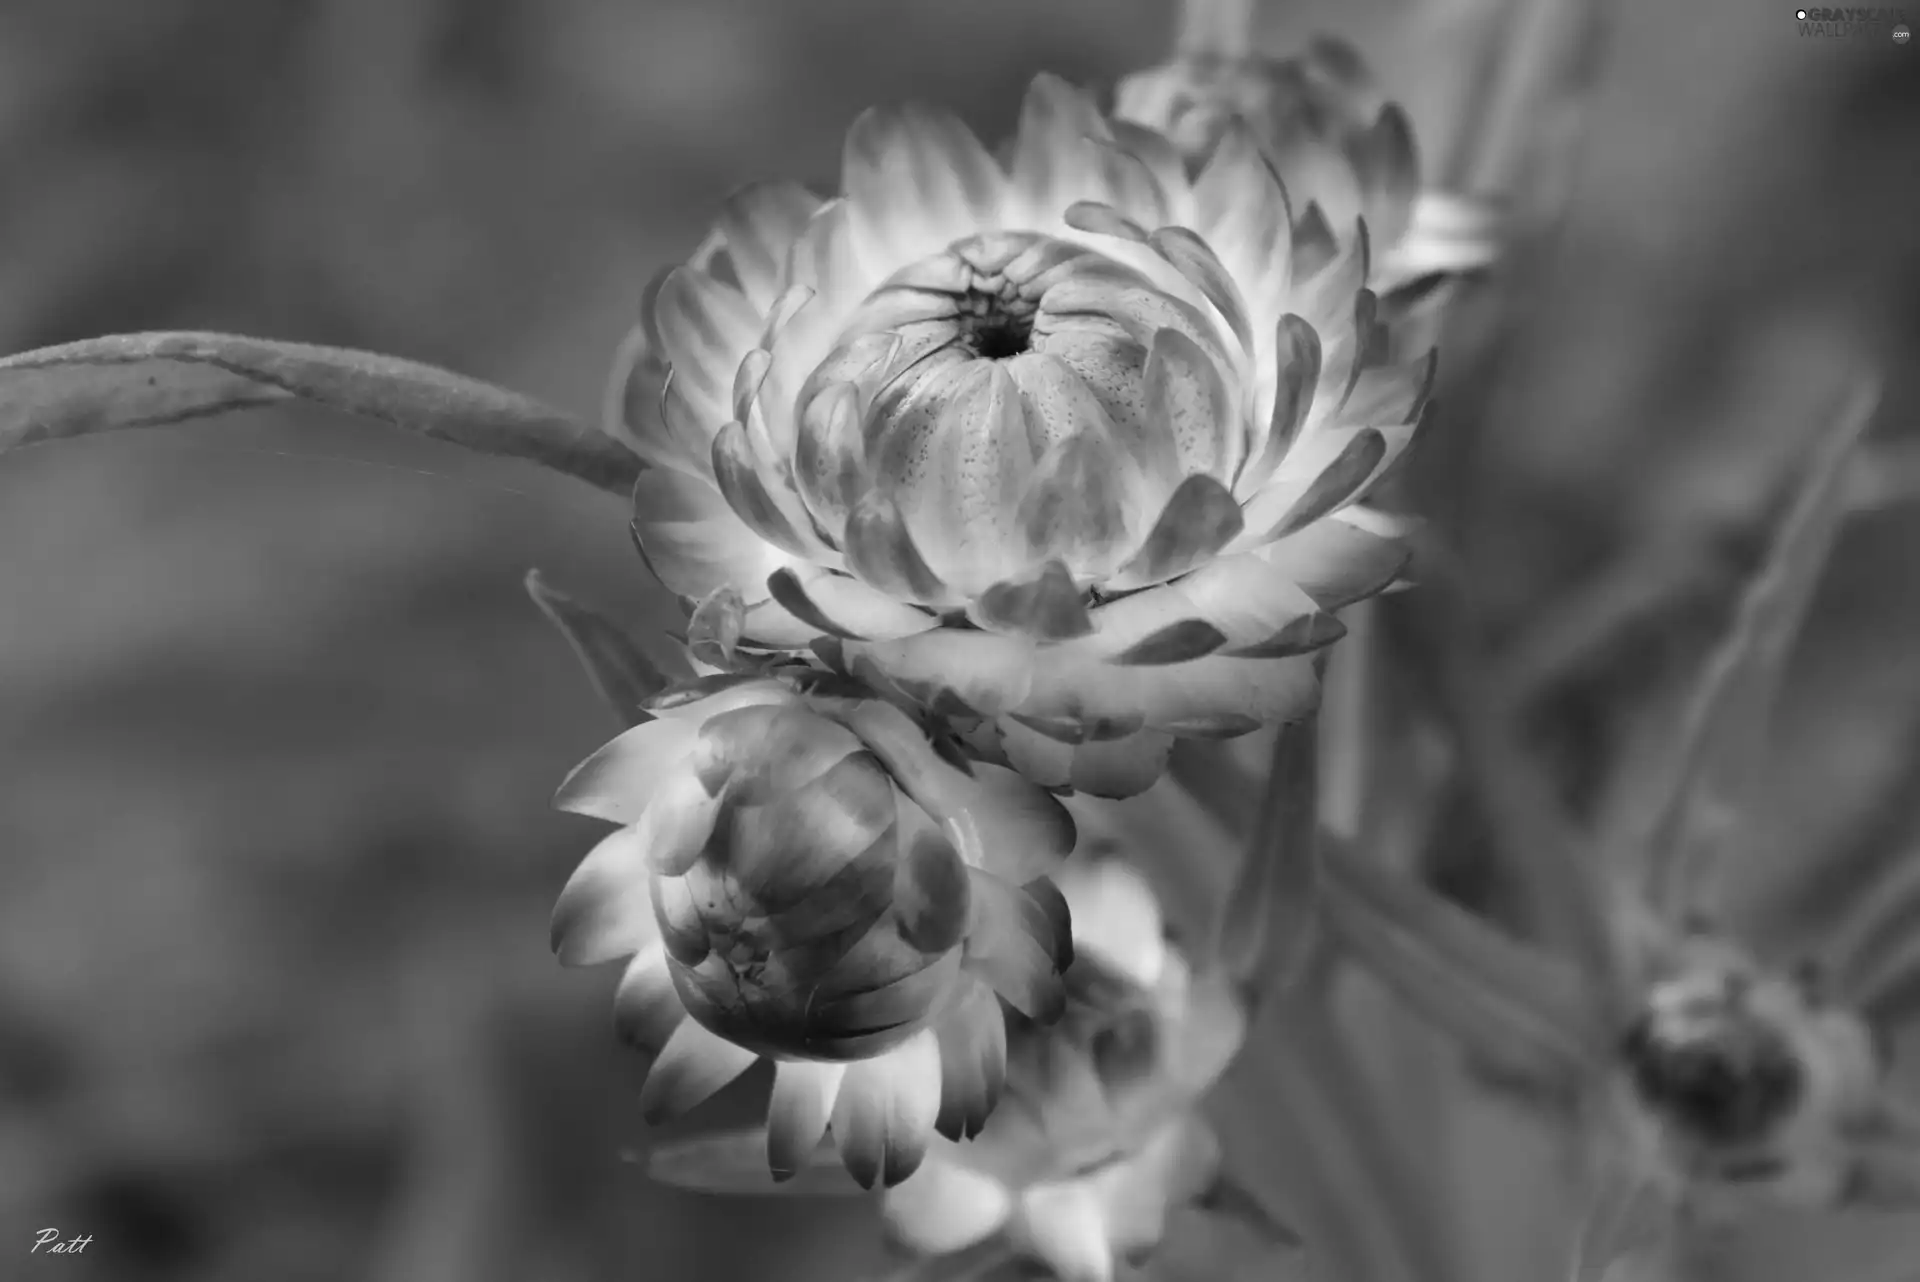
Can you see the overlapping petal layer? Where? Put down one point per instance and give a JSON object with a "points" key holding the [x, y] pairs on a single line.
{"points": [[1097, 1139], [1067, 445], [800, 874]]}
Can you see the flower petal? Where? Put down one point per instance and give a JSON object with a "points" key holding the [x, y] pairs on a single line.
{"points": [[1116, 917], [883, 1116], [973, 1062], [930, 894], [1255, 607], [605, 912], [1297, 376], [756, 495], [797, 1113], [694, 1066], [948, 670], [1194, 259], [1242, 211], [840, 606], [1076, 507], [830, 454], [705, 328], [1013, 946], [646, 1007], [715, 627], [916, 180], [1120, 767], [1339, 481], [617, 782], [1053, 165], [1044, 607], [692, 539], [1200, 519], [1187, 397], [1338, 562], [995, 819], [1388, 166], [1064, 1224], [946, 1207], [983, 456], [882, 552], [761, 222]]}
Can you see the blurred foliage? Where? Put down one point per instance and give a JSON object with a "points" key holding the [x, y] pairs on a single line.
{"points": [[280, 726]]}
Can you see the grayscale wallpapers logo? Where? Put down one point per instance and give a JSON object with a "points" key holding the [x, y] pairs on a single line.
{"points": [[1854, 23]]}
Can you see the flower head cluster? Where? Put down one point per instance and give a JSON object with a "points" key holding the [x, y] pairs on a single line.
{"points": [[802, 874], [1328, 129], [1097, 1138], [1064, 445], [1745, 1084]]}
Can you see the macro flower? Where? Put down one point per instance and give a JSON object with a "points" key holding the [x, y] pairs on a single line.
{"points": [[1097, 1139], [1747, 1086], [802, 874], [1327, 128], [1066, 445]]}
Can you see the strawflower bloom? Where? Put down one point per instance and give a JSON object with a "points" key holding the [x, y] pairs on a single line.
{"points": [[803, 874], [1065, 445], [1327, 127], [1097, 1139]]}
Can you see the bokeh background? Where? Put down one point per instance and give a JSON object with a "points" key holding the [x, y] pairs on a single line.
{"points": [[278, 725]]}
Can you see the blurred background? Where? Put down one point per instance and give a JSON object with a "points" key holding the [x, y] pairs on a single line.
{"points": [[278, 725]]}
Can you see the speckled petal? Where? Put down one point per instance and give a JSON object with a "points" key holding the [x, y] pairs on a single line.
{"points": [[963, 513], [830, 454], [883, 1116], [1187, 396]]}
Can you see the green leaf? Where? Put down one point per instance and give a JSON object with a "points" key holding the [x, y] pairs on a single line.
{"points": [[1724, 726], [619, 669], [735, 1163], [1267, 930], [1506, 1000], [160, 380]]}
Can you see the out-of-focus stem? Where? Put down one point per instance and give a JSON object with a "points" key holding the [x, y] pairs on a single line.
{"points": [[1216, 28]]}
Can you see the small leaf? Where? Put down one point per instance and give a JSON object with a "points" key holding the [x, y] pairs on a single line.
{"points": [[625, 677], [1723, 731], [159, 380], [1500, 996], [1267, 932], [735, 1163]]}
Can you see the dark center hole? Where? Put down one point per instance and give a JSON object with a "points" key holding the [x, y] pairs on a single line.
{"points": [[1000, 337]]}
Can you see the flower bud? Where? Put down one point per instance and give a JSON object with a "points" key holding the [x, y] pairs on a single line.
{"points": [[802, 875]]}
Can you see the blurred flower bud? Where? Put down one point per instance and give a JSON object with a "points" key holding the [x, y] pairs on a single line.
{"points": [[1098, 1139]]}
